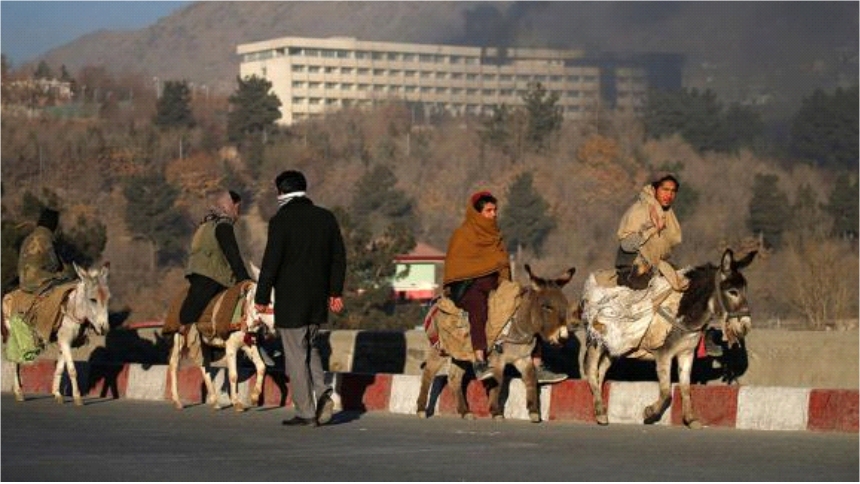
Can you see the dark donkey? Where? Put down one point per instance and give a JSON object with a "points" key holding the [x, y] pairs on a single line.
{"points": [[542, 312], [714, 292]]}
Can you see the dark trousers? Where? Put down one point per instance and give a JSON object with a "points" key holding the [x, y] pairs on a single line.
{"points": [[475, 302], [200, 292]]}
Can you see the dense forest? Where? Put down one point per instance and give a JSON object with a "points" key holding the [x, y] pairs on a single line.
{"points": [[129, 169]]}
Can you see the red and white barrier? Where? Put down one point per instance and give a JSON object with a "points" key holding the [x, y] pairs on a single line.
{"points": [[742, 407]]}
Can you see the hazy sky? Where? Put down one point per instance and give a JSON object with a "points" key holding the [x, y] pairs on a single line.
{"points": [[30, 29]]}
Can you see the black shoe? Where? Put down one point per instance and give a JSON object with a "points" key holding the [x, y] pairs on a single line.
{"points": [[482, 370], [325, 409], [300, 422]]}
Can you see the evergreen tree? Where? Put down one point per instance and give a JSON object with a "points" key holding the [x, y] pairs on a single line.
{"points": [[768, 209], [842, 206], [806, 219], [525, 221], [254, 109], [824, 130], [173, 109], [544, 115], [43, 71], [377, 201], [151, 213]]}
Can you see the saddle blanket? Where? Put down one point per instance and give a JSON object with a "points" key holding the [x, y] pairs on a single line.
{"points": [[447, 326], [41, 312], [220, 318], [624, 320]]}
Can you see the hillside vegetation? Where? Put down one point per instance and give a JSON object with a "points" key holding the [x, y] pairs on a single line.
{"points": [[146, 185]]}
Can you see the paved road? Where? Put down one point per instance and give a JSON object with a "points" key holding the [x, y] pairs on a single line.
{"points": [[128, 440]]}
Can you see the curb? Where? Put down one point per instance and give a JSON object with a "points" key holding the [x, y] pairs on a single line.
{"points": [[741, 407]]}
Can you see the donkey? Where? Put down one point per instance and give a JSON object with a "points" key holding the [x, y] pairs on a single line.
{"points": [[543, 312], [86, 305], [242, 337], [714, 293]]}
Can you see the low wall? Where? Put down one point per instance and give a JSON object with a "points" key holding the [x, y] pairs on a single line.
{"points": [[814, 359]]}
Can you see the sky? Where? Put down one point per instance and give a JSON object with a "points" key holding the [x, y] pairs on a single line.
{"points": [[29, 29]]}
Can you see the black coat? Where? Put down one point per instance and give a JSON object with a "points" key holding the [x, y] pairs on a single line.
{"points": [[304, 261]]}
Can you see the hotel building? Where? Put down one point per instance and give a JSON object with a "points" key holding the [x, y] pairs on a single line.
{"points": [[312, 76]]}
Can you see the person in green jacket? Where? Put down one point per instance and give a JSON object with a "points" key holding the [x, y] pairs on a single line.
{"points": [[39, 266]]}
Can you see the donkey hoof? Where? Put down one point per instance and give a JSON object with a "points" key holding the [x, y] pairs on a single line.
{"points": [[498, 417], [19, 397], [649, 416], [59, 399], [694, 424], [79, 402], [238, 407], [468, 416], [421, 414], [178, 405], [534, 417], [602, 419]]}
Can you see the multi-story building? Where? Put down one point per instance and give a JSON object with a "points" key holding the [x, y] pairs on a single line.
{"points": [[314, 75]]}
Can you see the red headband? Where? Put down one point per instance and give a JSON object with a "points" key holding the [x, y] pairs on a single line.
{"points": [[477, 196]]}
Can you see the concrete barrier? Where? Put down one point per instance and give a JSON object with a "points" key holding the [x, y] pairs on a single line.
{"points": [[741, 407]]}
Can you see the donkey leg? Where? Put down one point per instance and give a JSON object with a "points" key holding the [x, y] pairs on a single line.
{"points": [[685, 367], [527, 369], [233, 372], [66, 352], [211, 395], [456, 380], [253, 353], [173, 368], [432, 364], [653, 412], [593, 362], [17, 388]]}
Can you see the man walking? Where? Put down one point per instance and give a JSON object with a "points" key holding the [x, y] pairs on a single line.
{"points": [[305, 263]]}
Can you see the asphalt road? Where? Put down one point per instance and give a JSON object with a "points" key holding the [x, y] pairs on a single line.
{"points": [[132, 440]]}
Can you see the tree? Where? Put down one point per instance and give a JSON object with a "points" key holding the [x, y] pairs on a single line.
{"points": [[525, 221], [151, 213], [768, 209], [842, 206], [544, 116], [379, 203], [43, 71], [173, 108], [254, 109], [824, 130], [64, 74]]}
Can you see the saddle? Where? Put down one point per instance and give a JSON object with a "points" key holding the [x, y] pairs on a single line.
{"points": [[628, 322], [222, 316], [447, 326], [42, 312]]}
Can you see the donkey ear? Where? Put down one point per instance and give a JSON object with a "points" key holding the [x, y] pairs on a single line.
{"points": [[566, 277], [105, 270], [738, 265], [727, 261], [82, 274]]}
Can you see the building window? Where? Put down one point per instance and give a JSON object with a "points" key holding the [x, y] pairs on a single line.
{"points": [[394, 88], [524, 77], [471, 61], [298, 100], [573, 78], [346, 70], [456, 75], [590, 79], [331, 101], [377, 56], [379, 87], [342, 54], [298, 85], [408, 57], [471, 77], [379, 72], [555, 78], [279, 52], [331, 85], [395, 72], [313, 69], [441, 75], [409, 88], [572, 93], [298, 68], [346, 86], [363, 87], [330, 70], [441, 90], [439, 59], [314, 85], [346, 103], [363, 71], [409, 73], [506, 77], [426, 89], [540, 78], [360, 54], [573, 109], [327, 53], [425, 74], [489, 77], [507, 92], [312, 52], [488, 92], [471, 92], [314, 100], [425, 58], [393, 56], [455, 59], [296, 51]]}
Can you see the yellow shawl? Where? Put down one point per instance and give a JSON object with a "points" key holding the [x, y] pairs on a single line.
{"points": [[475, 249]]}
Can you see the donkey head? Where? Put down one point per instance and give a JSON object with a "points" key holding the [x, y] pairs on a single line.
{"points": [[549, 307], [92, 297], [730, 297]]}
